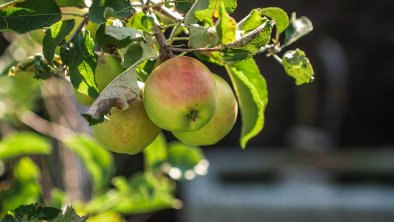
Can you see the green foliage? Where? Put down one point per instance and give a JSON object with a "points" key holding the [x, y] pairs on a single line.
{"points": [[23, 143], [54, 36], [25, 188], [279, 16], [25, 15], [96, 158], [82, 62], [40, 213], [251, 90], [297, 65], [226, 26], [32, 212], [208, 9], [140, 194], [71, 3], [119, 8]]}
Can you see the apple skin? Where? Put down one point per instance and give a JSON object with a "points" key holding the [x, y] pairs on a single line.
{"points": [[221, 123], [108, 68], [127, 131], [180, 94]]}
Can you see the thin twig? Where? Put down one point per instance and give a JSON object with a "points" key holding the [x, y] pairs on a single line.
{"points": [[168, 12], [81, 25]]}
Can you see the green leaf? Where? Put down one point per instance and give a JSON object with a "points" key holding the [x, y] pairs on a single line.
{"points": [[142, 193], [185, 162], [69, 215], [25, 188], [25, 15], [54, 36], [251, 90], [23, 143], [155, 154], [142, 21], [251, 21], [279, 16], [122, 33], [257, 33], [132, 54], [96, 158], [34, 212], [108, 40], [201, 37], [26, 170], [261, 39], [226, 26], [82, 62], [298, 27], [42, 70], [145, 69], [297, 65], [71, 3], [207, 10], [121, 90], [120, 9]]}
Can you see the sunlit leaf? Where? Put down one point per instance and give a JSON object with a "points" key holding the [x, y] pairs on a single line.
{"points": [[25, 15], [119, 8], [226, 26], [251, 90], [54, 36], [208, 10], [25, 188], [297, 65], [71, 3], [279, 16], [141, 193], [82, 62], [23, 143]]}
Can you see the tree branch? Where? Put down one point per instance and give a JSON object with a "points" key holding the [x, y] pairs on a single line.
{"points": [[217, 48], [44, 126]]}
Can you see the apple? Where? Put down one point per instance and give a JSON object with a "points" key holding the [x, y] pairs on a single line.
{"points": [[180, 94], [108, 68], [221, 123], [127, 131]]}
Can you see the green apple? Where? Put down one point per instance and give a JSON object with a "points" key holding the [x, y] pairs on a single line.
{"points": [[108, 68], [127, 131], [221, 123], [180, 94]]}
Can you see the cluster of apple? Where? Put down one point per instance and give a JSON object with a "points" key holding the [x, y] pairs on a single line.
{"points": [[182, 96]]}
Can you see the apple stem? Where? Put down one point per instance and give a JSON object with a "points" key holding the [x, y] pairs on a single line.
{"points": [[193, 115]]}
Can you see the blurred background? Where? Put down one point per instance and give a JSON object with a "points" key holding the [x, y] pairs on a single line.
{"points": [[327, 149]]}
